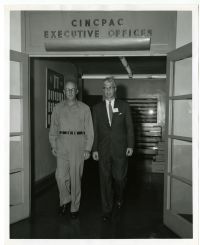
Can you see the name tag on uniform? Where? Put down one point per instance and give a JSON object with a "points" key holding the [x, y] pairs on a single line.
{"points": [[115, 110]]}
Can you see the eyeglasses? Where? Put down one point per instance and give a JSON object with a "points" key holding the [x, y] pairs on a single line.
{"points": [[108, 88], [73, 90]]}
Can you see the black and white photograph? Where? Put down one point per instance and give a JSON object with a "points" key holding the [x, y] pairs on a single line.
{"points": [[103, 123]]}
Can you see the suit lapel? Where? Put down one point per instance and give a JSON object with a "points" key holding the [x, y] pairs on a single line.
{"points": [[105, 114], [116, 105]]}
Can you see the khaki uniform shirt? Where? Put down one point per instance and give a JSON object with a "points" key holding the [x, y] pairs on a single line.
{"points": [[76, 117]]}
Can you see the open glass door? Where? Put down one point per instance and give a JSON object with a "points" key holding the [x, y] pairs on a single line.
{"points": [[19, 137], [178, 213]]}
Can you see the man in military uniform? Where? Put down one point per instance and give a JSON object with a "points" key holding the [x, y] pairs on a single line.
{"points": [[71, 137]]}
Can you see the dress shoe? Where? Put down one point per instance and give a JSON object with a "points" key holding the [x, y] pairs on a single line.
{"points": [[74, 215], [119, 204], [64, 209], [106, 217]]}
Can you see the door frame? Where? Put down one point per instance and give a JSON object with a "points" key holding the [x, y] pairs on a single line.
{"points": [[22, 211], [171, 219]]}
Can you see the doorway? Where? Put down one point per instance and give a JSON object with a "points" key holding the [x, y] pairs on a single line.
{"points": [[146, 96], [147, 151], [142, 93]]}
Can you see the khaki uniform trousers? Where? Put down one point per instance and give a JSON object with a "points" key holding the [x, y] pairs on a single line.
{"points": [[70, 162]]}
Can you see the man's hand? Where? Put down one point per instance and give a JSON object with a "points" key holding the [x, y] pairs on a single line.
{"points": [[129, 152], [86, 155], [54, 152], [95, 155]]}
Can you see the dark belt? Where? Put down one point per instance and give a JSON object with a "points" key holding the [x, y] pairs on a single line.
{"points": [[72, 132]]}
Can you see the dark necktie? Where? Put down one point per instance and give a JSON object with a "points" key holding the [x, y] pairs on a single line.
{"points": [[110, 111]]}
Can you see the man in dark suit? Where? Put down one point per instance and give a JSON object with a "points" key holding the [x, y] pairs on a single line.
{"points": [[113, 143]]}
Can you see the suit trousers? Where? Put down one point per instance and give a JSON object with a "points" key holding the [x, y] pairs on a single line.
{"points": [[69, 171], [113, 176]]}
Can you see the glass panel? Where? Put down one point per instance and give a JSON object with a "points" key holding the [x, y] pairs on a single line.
{"points": [[181, 199], [182, 159], [15, 115], [16, 194], [16, 152], [183, 77], [15, 78], [182, 115]]}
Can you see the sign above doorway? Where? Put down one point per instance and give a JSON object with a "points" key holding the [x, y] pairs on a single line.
{"points": [[44, 27]]}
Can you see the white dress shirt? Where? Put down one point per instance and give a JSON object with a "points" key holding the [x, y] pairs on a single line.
{"points": [[107, 108]]}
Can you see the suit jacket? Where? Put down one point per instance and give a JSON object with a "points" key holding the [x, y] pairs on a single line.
{"points": [[112, 140]]}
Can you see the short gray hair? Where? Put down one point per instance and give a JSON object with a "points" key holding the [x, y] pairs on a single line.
{"points": [[110, 80]]}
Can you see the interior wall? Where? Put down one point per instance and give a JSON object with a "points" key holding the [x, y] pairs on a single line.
{"points": [[59, 26], [184, 28], [15, 30], [137, 88], [42, 158]]}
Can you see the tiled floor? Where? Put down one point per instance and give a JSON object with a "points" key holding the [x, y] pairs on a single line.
{"points": [[140, 217]]}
